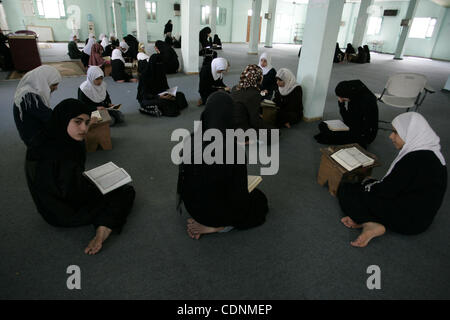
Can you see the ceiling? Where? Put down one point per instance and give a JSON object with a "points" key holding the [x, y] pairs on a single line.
{"points": [[444, 3]]}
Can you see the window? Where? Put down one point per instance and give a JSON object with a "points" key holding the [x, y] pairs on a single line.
{"points": [[422, 28], [374, 26], [221, 15], [51, 9], [131, 10], [205, 15], [150, 7]]}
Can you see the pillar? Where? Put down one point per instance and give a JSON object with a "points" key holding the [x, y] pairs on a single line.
{"points": [[270, 23], [141, 22], [254, 27], [117, 18], [316, 61], [213, 17], [405, 29], [190, 27], [361, 23]]}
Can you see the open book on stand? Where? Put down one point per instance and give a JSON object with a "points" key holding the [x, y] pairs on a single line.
{"points": [[352, 158], [108, 177]]}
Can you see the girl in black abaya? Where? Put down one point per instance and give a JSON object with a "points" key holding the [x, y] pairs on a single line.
{"points": [[152, 82], [169, 57], [54, 166], [359, 111], [216, 195], [204, 38]]}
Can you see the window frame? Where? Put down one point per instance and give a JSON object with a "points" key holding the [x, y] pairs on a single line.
{"points": [[432, 22], [378, 31], [41, 9], [150, 15]]}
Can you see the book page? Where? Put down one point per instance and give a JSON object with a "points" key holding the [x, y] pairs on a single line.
{"points": [[101, 170], [112, 178], [346, 160], [360, 157], [171, 91], [337, 125]]}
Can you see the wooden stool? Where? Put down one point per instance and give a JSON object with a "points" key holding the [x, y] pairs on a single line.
{"points": [[99, 134], [332, 172], [269, 113]]}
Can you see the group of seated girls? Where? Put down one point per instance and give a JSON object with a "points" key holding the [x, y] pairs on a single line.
{"points": [[56, 156], [216, 196], [257, 82], [350, 54]]}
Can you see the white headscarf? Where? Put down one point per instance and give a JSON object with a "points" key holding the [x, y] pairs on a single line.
{"points": [[290, 82], [37, 81], [95, 93], [102, 35], [87, 49], [216, 65], [124, 45], [117, 54], [105, 42], [267, 68], [142, 56], [417, 134]]}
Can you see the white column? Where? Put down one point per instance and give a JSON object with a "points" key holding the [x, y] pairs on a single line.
{"points": [[361, 23], [141, 21], [319, 41], [213, 17], [405, 29], [117, 16], [270, 23], [190, 28], [254, 27]]}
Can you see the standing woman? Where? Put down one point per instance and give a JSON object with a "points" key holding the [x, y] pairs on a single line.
{"points": [[32, 101], [87, 51], [204, 39], [211, 78], [289, 98], [168, 29], [269, 84], [118, 67], [54, 167], [152, 82], [169, 57], [359, 111], [407, 199], [216, 195]]}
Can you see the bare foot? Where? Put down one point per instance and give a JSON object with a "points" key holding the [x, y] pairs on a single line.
{"points": [[133, 80], [199, 102], [120, 81], [195, 229], [349, 223], [96, 244], [287, 125], [370, 231]]}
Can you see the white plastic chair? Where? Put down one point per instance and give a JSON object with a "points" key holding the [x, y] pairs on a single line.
{"points": [[405, 90]]}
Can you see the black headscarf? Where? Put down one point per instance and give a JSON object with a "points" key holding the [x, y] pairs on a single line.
{"points": [[367, 51], [203, 36], [162, 47], [353, 90], [350, 49], [54, 142], [218, 113], [153, 80], [217, 40]]}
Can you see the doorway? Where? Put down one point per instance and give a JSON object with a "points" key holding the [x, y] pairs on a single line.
{"points": [[249, 23]]}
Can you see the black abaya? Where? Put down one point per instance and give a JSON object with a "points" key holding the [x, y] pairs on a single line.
{"points": [[406, 201], [207, 84], [217, 195], [54, 170], [360, 115], [291, 107]]}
